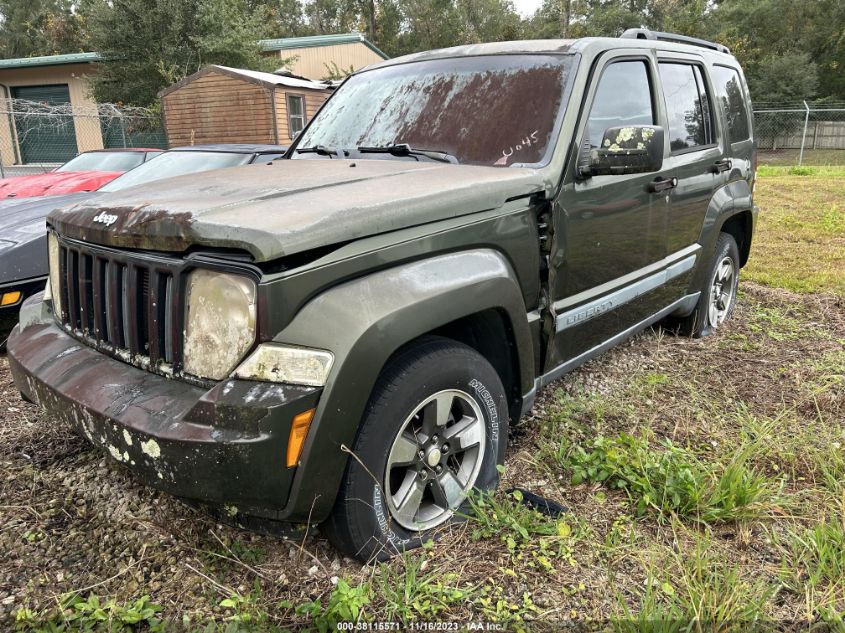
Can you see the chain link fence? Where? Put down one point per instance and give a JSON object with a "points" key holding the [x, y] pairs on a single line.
{"points": [[800, 133], [37, 137]]}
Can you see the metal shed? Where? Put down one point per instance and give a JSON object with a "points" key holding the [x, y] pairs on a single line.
{"points": [[231, 105]]}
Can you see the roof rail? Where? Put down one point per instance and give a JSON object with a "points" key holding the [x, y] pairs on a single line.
{"points": [[645, 34]]}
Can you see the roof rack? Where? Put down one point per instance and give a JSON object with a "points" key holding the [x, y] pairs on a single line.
{"points": [[645, 34]]}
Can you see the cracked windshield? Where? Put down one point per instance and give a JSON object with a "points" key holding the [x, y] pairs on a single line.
{"points": [[493, 110]]}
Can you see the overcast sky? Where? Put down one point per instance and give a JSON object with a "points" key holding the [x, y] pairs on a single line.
{"points": [[527, 7]]}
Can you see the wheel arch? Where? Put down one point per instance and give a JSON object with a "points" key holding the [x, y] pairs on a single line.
{"points": [[466, 296], [740, 226], [731, 207]]}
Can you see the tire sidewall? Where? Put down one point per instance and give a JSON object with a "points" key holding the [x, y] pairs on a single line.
{"points": [[460, 368]]}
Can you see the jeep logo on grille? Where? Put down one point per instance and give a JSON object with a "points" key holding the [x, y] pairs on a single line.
{"points": [[106, 218]]}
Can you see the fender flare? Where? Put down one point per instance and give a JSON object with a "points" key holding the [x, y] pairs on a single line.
{"points": [[363, 322], [726, 202]]}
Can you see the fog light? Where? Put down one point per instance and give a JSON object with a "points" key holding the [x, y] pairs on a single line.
{"points": [[10, 298], [273, 362], [298, 433]]}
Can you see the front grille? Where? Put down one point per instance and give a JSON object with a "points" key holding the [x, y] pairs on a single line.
{"points": [[122, 302]]}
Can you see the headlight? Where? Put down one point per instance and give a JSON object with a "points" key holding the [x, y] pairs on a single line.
{"points": [[272, 362], [55, 283], [220, 322]]}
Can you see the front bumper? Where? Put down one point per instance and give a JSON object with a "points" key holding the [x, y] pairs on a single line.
{"points": [[224, 446]]}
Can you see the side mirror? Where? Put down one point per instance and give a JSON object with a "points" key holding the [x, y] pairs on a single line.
{"points": [[624, 150]]}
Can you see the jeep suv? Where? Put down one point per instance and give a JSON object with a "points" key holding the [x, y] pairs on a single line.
{"points": [[343, 338]]}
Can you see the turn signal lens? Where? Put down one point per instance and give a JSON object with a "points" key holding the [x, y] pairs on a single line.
{"points": [[298, 433], [10, 298]]}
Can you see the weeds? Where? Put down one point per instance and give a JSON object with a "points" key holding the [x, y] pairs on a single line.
{"points": [[90, 614], [346, 604], [672, 481], [410, 594], [818, 554]]}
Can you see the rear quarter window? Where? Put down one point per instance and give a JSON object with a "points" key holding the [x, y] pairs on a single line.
{"points": [[732, 99]]}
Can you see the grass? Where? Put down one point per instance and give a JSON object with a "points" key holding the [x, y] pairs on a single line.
{"points": [[704, 481], [800, 241]]}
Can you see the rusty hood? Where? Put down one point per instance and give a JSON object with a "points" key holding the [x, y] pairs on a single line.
{"points": [[290, 206]]}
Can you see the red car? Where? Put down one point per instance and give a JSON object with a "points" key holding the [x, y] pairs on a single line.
{"points": [[86, 172]]}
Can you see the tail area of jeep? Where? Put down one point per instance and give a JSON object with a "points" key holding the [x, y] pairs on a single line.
{"points": [[342, 337]]}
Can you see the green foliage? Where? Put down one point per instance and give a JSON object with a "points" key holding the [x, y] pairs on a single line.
{"points": [[790, 50], [40, 27], [90, 614], [150, 44], [346, 604], [713, 591], [494, 606], [533, 540], [671, 480], [818, 554], [246, 609], [775, 78], [410, 594]]}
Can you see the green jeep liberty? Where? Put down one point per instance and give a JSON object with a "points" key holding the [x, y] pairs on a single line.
{"points": [[341, 337]]}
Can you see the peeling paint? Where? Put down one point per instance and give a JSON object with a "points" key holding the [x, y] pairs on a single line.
{"points": [[115, 452], [151, 448], [127, 438], [68, 351]]}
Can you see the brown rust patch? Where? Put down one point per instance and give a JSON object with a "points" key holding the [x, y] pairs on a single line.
{"points": [[140, 226]]}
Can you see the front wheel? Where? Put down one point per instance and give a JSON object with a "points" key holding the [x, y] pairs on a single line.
{"points": [[718, 297], [433, 433]]}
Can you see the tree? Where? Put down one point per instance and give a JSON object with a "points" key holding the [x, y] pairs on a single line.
{"points": [[783, 78], [487, 21], [283, 18], [40, 27], [149, 44]]}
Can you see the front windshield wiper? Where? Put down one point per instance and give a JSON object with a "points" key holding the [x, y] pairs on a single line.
{"points": [[323, 150], [403, 149]]}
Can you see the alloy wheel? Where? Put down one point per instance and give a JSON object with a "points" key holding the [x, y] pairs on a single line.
{"points": [[435, 460], [722, 292]]}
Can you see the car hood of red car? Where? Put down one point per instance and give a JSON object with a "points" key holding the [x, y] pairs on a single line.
{"points": [[54, 182]]}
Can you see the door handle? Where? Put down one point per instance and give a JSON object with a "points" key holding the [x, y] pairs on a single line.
{"points": [[662, 184], [721, 165]]}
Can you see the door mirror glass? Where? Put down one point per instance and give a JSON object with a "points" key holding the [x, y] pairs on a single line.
{"points": [[624, 150]]}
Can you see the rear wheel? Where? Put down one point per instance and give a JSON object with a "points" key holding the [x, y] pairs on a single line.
{"points": [[718, 297], [433, 432]]}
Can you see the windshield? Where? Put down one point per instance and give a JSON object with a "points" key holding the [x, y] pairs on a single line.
{"points": [[177, 163], [487, 110], [104, 161]]}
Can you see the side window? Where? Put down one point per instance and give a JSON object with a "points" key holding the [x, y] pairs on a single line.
{"points": [[296, 114], [687, 106], [623, 97], [729, 90]]}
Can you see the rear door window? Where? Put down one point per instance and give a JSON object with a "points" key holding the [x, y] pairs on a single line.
{"points": [[623, 97], [687, 106], [730, 94]]}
